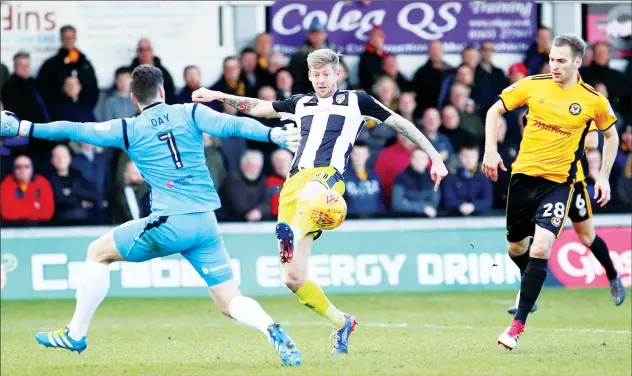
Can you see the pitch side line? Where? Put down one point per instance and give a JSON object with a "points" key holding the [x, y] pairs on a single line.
{"points": [[361, 324]]}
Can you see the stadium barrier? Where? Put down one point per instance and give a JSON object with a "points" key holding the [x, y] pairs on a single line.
{"points": [[360, 256]]}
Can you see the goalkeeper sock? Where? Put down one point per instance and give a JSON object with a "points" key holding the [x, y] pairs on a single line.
{"points": [[249, 313], [301, 223], [90, 293], [312, 296]]}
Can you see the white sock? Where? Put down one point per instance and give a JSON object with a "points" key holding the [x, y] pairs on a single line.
{"points": [[93, 288], [249, 313], [335, 316]]}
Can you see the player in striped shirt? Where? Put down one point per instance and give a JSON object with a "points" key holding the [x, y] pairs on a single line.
{"points": [[330, 120]]}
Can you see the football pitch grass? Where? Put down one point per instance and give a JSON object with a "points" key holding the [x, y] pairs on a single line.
{"points": [[576, 332]]}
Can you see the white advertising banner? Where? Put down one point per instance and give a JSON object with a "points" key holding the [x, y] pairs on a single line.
{"points": [[182, 33]]}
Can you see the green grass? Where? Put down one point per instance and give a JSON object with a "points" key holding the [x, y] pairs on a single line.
{"points": [[576, 332]]}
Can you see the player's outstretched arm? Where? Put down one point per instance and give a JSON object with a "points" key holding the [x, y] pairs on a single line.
{"points": [[438, 171], [609, 154], [223, 125], [491, 158], [107, 134], [251, 106], [372, 109]]}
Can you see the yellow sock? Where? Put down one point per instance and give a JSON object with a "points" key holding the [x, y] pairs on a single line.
{"points": [[312, 296], [301, 223]]}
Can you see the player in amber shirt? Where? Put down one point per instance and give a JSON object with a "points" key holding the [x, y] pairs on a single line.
{"points": [[580, 213], [561, 109]]}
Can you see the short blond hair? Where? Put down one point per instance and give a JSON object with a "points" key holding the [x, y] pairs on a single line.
{"points": [[322, 57], [576, 44]]}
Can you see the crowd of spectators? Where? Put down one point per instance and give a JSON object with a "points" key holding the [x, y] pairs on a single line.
{"points": [[68, 183]]}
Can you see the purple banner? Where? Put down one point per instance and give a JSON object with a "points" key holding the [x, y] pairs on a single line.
{"points": [[409, 26]]}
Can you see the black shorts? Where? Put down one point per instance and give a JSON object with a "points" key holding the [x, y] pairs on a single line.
{"points": [[534, 200], [581, 208]]}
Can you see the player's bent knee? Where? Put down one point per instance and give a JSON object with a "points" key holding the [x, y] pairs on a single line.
{"points": [[103, 250], [540, 250], [518, 248], [223, 293]]}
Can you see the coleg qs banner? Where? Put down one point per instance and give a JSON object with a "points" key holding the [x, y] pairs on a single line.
{"points": [[409, 25]]}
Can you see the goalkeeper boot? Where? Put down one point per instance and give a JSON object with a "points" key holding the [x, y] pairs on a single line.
{"points": [[62, 340], [290, 355]]}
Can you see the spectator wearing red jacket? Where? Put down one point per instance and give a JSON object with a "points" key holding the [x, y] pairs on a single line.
{"points": [[25, 196], [391, 161], [281, 162]]}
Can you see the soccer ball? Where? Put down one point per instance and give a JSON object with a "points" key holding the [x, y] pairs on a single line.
{"points": [[328, 210]]}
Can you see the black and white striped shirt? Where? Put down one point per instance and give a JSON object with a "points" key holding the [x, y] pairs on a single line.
{"points": [[329, 126]]}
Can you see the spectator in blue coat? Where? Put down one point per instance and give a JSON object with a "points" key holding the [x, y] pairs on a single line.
{"points": [[94, 165], [413, 190], [363, 192], [468, 191]]}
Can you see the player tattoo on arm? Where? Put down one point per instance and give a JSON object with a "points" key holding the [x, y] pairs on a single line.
{"points": [[411, 132], [242, 104], [251, 106]]}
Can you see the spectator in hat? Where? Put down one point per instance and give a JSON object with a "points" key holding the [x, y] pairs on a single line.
{"points": [[517, 72]]}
